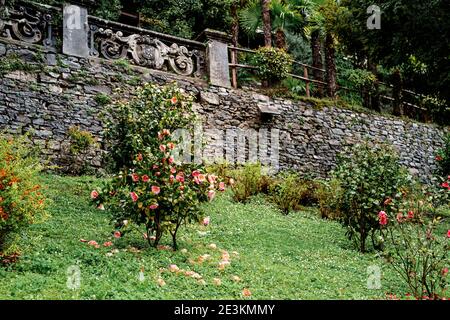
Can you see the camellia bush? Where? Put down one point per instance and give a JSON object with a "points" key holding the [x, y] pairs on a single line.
{"points": [[21, 200], [158, 193], [151, 189], [369, 175], [443, 158], [132, 126], [273, 64], [416, 251]]}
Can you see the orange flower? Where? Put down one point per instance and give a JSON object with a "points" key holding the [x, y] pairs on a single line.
{"points": [[246, 292], [174, 100]]}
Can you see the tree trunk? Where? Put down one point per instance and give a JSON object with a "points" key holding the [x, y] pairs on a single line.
{"points": [[316, 49], [397, 93], [281, 39], [267, 26], [375, 95], [330, 62]]}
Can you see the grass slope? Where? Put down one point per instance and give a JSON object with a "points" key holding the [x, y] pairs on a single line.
{"points": [[279, 257]]}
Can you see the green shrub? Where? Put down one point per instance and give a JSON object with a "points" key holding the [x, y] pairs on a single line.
{"points": [[132, 126], [288, 193], [247, 182], [80, 142], [21, 200], [369, 175], [329, 195], [102, 99], [272, 64]]}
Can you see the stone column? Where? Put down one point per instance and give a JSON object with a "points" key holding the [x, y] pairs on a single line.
{"points": [[217, 57], [75, 31]]}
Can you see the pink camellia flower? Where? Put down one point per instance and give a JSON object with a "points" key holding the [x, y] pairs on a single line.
{"points": [[173, 170], [171, 145], [135, 177], [174, 268], [134, 196], [179, 178], [155, 167], [117, 234], [108, 244], [156, 189], [92, 243], [166, 132], [221, 186], [211, 195], [174, 100], [382, 218], [145, 178], [195, 173], [171, 160], [448, 234], [410, 214], [400, 217], [94, 194], [154, 206], [206, 221], [162, 148], [212, 178], [444, 271], [171, 178], [445, 185], [201, 177]]}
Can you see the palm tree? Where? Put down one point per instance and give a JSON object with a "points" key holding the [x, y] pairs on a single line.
{"points": [[284, 17], [267, 26]]}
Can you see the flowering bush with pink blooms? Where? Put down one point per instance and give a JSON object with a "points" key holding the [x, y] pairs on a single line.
{"points": [[368, 175], [443, 158], [158, 193], [132, 126], [417, 251]]}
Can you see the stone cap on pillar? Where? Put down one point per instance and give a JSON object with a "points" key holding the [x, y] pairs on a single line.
{"points": [[210, 34]]}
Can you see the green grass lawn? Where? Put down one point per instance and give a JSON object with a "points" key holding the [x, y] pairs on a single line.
{"points": [[298, 256]]}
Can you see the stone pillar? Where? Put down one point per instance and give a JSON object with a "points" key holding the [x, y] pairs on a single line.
{"points": [[217, 57], [75, 31]]}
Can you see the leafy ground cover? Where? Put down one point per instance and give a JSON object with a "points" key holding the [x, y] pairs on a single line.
{"points": [[273, 256]]}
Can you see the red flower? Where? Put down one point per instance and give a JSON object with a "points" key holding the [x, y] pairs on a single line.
{"points": [[410, 215], [221, 186], [171, 160], [94, 194], [154, 206], [135, 177], [170, 145], [134, 196], [444, 271], [139, 157], [92, 243], [166, 132], [195, 173], [174, 100], [117, 234], [156, 189], [145, 178], [445, 185], [108, 244], [382, 218], [162, 148], [448, 234], [180, 178], [173, 170], [438, 158]]}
